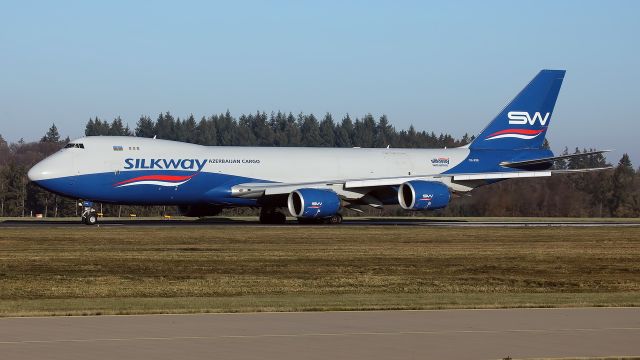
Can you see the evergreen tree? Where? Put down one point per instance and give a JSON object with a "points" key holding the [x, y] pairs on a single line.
{"points": [[206, 133], [562, 163], [244, 133], [344, 133], [144, 127], [89, 129], [179, 133], [262, 132], [384, 132], [310, 130], [226, 127], [292, 131], [576, 162], [622, 194], [326, 131], [466, 139], [365, 132], [165, 126], [117, 128], [97, 127], [52, 136], [102, 127], [189, 130], [278, 124]]}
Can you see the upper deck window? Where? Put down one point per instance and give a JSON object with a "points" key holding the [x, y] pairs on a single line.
{"points": [[74, 145]]}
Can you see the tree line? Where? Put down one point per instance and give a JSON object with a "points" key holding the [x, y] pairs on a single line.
{"points": [[276, 129], [611, 193]]}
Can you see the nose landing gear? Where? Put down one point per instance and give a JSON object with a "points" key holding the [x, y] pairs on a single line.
{"points": [[89, 214]]}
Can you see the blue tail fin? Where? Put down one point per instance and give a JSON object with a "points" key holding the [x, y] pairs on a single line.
{"points": [[524, 122]]}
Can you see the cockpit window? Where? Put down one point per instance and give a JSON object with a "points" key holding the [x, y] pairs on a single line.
{"points": [[74, 145]]}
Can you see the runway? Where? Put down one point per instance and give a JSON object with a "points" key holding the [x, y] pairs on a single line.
{"points": [[438, 334], [434, 222]]}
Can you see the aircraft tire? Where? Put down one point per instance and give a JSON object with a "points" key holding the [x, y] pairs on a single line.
{"points": [[91, 219], [335, 219]]}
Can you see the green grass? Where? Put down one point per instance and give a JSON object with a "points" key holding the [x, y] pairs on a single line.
{"points": [[131, 270]]}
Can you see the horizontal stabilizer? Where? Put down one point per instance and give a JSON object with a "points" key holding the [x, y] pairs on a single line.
{"points": [[574, 171], [518, 164], [501, 175]]}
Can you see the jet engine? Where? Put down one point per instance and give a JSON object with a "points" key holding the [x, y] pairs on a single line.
{"points": [[423, 195], [313, 203]]}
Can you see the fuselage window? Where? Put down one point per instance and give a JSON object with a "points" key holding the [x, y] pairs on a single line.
{"points": [[72, 145]]}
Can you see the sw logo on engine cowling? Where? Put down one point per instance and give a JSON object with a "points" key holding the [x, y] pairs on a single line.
{"points": [[315, 205], [426, 197]]}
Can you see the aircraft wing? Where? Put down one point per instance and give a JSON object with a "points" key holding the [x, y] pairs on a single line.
{"points": [[255, 190]]}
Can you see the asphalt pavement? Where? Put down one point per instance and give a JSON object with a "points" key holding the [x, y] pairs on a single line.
{"points": [[436, 334]]}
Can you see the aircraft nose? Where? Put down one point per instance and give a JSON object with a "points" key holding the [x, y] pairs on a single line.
{"points": [[39, 171]]}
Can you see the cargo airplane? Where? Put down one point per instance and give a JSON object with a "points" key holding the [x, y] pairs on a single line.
{"points": [[314, 184]]}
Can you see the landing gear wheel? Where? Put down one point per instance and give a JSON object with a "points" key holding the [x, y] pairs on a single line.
{"points": [[91, 218], [89, 215], [335, 219]]}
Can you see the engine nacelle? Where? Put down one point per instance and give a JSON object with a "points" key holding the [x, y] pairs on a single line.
{"points": [[423, 195], [313, 203], [199, 210]]}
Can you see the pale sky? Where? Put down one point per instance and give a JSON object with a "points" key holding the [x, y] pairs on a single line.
{"points": [[442, 66]]}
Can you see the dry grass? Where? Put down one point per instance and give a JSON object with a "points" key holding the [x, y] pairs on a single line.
{"points": [[251, 268]]}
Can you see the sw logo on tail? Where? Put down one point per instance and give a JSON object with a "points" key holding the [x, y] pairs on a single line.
{"points": [[523, 118]]}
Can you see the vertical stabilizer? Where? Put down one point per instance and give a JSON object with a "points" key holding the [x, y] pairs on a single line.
{"points": [[523, 123]]}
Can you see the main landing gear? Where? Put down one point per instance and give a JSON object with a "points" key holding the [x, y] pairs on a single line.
{"points": [[272, 216], [333, 220], [89, 214]]}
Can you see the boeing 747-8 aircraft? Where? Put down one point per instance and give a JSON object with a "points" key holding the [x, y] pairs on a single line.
{"points": [[315, 184]]}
